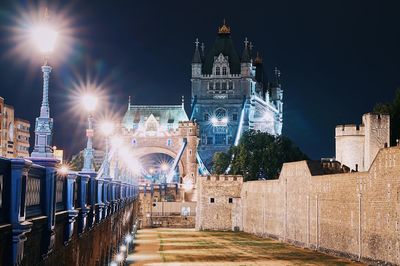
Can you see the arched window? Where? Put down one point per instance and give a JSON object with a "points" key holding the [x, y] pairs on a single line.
{"points": [[224, 71], [217, 71], [220, 113]]}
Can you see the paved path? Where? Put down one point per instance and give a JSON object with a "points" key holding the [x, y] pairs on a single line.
{"points": [[161, 247]]}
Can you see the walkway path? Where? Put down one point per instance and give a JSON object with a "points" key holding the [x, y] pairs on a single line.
{"points": [[160, 247]]}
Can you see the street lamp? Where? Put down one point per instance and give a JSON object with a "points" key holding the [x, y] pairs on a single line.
{"points": [[89, 102], [107, 128], [44, 36]]}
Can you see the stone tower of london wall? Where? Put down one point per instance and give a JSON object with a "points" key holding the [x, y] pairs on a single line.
{"points": [[357, 146]]}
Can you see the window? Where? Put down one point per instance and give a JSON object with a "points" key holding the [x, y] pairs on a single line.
{"points": [[217, 71], [230, 86], [169, 142], [224, 86], [211, 86], [217, 86], [134, 142], [230, 200], [224, 71], [234, 117], [210, 140], [206, 117], [212, 200], [220, 139]]}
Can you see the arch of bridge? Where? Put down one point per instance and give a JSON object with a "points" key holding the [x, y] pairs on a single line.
{"points": [[146, 150]]}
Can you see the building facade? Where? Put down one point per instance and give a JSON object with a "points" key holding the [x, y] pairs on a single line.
{"points": [[14, 133], [22, 135], [231, 94], [357, 145]]}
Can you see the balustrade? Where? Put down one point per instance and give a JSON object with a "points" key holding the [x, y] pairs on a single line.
{"points": [[32, 190]]}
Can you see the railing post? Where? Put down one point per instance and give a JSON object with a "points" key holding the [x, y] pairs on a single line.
{"points": [[118, 194], [91, 218], [99, 202], [69, 206], [15, 193], [48, 201], [82, 196], [113, 196], [106, 199]]}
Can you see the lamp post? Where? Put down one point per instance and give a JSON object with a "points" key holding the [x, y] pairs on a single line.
{"points": [[45, 38], [107, 129], [89, 102]]}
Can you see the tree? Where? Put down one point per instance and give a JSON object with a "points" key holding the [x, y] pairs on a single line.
{"points": [[221, 162], [392, 109], [259, 155], [76, 163]]}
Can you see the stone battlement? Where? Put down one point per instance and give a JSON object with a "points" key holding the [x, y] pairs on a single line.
{"points": [[219, 178], [349, 130]]}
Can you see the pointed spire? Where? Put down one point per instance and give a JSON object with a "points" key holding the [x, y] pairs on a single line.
{"points": [[203, 47], [277, 76], [258, 59], [183, 101], [129, 103], [246, 54], [224, 29], [196, 57]]}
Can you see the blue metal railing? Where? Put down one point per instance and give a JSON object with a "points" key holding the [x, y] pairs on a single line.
{"points": [[34, 189]]}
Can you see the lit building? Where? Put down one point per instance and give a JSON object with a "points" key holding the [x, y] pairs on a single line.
{"points": [[231, 94], [14, 133], [58, 154], [22, 135]]}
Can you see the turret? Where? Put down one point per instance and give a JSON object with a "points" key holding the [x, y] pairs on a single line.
{"points": [[196, 61], [277, 96], [245, 63]]}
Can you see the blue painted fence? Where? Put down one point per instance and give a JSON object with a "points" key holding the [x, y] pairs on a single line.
{"points": [[33, 188]]}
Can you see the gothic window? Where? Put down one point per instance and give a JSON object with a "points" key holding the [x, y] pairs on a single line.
{"points": [[220, 139], [211, 86], [210, 140], [217, 86], [206, 117], [134, 142], [217, 71], [220, 113], [234, 117], [223, 86], [230, 85], [224, 71]]}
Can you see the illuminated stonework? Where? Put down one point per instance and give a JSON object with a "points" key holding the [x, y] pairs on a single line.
{"points": [[231, 94]]}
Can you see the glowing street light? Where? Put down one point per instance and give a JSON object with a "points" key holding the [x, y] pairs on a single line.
{"points": [[89, 103], [128, 238], [119, 257], [122, 248], [107, 128], [63, 170], [164, 167], [45, 38]]}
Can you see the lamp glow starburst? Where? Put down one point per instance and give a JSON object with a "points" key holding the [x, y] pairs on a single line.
{"points": [[89, 102], [45, 38]]}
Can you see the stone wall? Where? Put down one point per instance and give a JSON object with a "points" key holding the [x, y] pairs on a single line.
{"points": [[218, 202], [355, 214], [357, 146]]}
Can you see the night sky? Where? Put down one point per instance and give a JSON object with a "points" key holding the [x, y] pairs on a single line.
{"points": [[337, 59]]}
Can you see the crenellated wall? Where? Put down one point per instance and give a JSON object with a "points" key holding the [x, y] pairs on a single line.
{"points": [[354, 215]]}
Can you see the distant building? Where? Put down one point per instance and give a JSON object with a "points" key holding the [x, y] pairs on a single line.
{"points": [[231, 94], [22, 135], [357, 145], [58, 154], [98, 158], [14, 133]]}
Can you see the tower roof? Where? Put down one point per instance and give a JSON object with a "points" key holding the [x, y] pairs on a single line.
{"points": [[246, 58], [222, 45], [196, 57]]}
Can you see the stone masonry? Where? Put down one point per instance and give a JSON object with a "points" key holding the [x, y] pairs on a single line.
{"points": [[218, 202]]}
